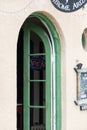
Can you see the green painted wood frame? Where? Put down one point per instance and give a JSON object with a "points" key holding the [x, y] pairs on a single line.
{"points": [[57, 48], [27, 28], [83, 41]]}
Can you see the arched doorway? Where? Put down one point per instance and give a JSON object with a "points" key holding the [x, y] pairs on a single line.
{"points": [[38, 77]]}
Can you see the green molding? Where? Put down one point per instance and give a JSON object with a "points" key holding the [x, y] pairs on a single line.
{"points": [[83, 41], [26, 77], [27, 28], [57, 47]]}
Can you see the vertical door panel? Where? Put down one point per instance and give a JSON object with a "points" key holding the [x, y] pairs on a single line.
{"points": [[37, 78]]}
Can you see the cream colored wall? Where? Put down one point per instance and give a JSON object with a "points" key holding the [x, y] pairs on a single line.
{"points": [[70, 27]]}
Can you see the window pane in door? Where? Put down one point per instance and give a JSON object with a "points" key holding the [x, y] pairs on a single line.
{"points": [[36, 44], [37, 68], [37, 61], [37, 93], [37, 119]]}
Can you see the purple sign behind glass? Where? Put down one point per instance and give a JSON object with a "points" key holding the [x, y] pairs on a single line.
{"points": [[37, 63]]}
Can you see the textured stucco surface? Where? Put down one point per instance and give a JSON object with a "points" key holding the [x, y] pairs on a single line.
{"points": [[70, 27]]}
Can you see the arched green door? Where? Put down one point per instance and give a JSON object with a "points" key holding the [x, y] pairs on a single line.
{"points": [[37, 78]]}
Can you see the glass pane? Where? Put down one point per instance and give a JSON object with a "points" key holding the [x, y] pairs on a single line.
{"points": [[37, 67], [37, 119], [84, 39], [37, 93], [36, 44], [37, 83]]}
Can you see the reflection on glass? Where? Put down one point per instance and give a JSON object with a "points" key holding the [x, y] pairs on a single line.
{"points": [[37, 93], [37, 83], [37, 118], [37, 63], [37, 67], [36, 44]]}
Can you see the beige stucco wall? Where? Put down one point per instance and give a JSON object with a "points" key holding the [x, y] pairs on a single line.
{"points": [[70, 27]]}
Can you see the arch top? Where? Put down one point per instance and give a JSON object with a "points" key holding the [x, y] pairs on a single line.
{"points": [[55, 40], [39, 18], [51, 29]]}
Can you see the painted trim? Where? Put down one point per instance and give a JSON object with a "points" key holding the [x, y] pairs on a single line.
{"points": [[26, 77], [27, 27], [83, 41], [57, 50]]}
